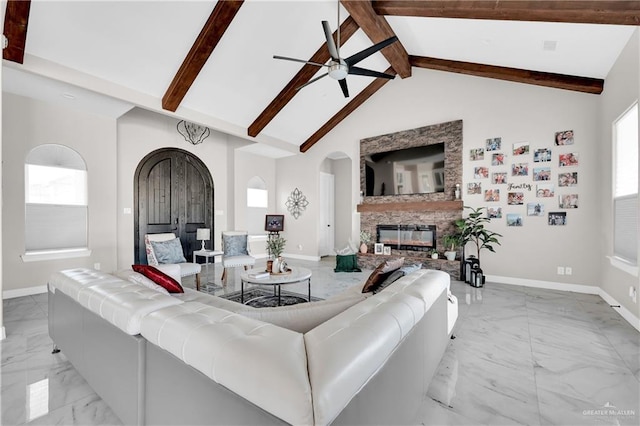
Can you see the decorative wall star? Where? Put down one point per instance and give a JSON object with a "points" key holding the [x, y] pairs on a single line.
{"points": [[296, 203]]}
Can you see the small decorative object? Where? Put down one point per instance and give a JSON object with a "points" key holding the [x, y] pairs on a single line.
{"points": [[469, 263], [365, 239], [193, 133], [297, 203], [386, 250], [451, 242], [477, 277], [203, 234], [274, 223], [275, 267], [457, 191], [275, 245], [434, 255], [283, 265], [378, 248]]}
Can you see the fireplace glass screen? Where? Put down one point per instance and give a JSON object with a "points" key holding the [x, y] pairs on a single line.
{"points": [[407, 237]]}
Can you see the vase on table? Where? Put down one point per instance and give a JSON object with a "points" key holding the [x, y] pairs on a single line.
{"points": [[275, 268], [363, 248]]}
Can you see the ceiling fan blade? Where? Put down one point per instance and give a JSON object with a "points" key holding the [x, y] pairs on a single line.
{"points": [[331, 45], [299, 60], [345, 89], [354, 59], [313, 80], [370, 73]]}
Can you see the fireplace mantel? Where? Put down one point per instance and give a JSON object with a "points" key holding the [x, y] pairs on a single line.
{"points": [[412, 206]]}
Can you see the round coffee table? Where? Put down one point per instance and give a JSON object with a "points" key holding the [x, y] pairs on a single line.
{"points": [[297, 275]]}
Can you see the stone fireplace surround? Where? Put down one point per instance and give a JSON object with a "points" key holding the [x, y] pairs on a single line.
{"points": [[440, 209]]}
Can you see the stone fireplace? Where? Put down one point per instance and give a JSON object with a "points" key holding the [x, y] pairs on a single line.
{"points": [[439, 209]]}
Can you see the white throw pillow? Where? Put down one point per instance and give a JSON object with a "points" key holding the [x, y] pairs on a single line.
{"points": [[138, 278]]}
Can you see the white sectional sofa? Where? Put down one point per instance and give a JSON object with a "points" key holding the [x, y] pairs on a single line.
{"points": [[198, 359]]}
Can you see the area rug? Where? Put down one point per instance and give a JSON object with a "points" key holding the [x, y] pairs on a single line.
{"points": [[259, 297]]}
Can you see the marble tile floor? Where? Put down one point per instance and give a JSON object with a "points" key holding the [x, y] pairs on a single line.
{"points": [[521, 356]]}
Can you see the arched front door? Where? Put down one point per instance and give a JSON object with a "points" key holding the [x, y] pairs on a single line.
{"points": [[173, 192]]}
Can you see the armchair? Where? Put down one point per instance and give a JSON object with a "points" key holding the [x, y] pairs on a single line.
{"points": [[162, 249], [235, 250]]}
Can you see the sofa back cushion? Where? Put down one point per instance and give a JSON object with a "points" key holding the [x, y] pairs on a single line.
{"points": [[265, 364]]}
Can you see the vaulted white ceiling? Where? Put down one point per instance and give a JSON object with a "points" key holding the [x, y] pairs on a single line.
{"points": [[130, 51]]}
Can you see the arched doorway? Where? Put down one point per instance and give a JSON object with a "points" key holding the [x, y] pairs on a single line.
{"points": [[173, 192]]}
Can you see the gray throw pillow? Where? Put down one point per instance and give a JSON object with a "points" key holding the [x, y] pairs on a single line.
{"points": [[407, 269], [393, 277], [168, 251], [235, 245]]}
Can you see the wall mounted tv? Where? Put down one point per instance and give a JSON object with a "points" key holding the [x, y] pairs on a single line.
{"points": [[418, 170]]}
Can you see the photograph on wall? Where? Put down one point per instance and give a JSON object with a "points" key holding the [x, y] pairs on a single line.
{"points": [[541, 173], [568, 179], [568, 201], [494, 212], [542, 155], [474, 188], [520, 169], [494, 144], [481, 172], [514, 219], [491, 195], [476, 154], [521, 148], [568, 160], [497, 159], [499, 178], [535, 209], [515, 198], [564, 137], [557, 218], [545, 190]]}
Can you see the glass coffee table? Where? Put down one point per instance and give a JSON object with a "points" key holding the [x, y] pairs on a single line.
{"points": [[295, 275]]}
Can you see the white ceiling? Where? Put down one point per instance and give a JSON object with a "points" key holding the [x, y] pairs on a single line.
{"points": [[137, 47]]}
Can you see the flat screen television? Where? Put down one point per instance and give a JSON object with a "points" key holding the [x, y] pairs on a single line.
{"points": [[418, 170]]}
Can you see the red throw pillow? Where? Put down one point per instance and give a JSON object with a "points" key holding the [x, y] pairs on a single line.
{"points": [[159, 277]]}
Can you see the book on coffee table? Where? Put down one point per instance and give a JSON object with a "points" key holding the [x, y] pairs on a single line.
{"points": [[259, 275]]}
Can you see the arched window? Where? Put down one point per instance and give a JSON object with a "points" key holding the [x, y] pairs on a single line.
{"points": [[257, 203], [55, 199]]}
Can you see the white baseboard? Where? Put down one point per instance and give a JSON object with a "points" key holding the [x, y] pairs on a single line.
{"points": [[550, 285], [3, 333], [624, 312], [577, 288], [19, 292], [301, 257]]}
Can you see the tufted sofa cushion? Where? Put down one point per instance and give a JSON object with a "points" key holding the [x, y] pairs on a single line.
{"points": [[244, 355], [344, 352], [120, 302]]}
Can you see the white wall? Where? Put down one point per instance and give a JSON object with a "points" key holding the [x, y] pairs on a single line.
{"points": [[28, 123], [141, 132], [3, 5], [488, 108], [622, 89]]}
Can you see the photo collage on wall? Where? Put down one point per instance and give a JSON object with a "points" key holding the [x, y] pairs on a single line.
{"points": [[534, 181]]}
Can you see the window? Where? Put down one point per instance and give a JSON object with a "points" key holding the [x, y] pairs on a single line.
{"points": [[55, 199], [625, 194], [257, 203]]}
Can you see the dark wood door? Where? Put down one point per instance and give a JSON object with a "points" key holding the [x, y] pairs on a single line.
{"points": [[173, 193]]}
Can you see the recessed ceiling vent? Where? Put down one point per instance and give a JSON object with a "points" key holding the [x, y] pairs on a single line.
{"points": [[549, 45]]}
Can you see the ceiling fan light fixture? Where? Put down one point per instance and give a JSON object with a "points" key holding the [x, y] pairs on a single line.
{"points": [[338, 70]]}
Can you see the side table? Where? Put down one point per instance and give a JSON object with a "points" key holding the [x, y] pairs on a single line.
{"points": [[207, 254]]}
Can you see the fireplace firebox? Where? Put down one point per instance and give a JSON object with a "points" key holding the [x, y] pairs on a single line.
{"points": [[407, 237]]}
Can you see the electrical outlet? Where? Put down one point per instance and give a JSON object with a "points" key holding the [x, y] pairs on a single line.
{"points": [[633, 294], [96, 266], [568, 270], [300, 247], [560, 270]]}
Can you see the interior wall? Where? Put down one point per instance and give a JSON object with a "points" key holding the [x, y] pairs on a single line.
{"points": [[622, 89], [489, 108], [28, 123], [342, 171], [3, 5], [141, 132]]}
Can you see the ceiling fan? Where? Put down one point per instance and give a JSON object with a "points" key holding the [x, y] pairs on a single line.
{"points": [[338, 67]]}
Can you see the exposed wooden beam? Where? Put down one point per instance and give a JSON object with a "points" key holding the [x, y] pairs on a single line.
{"points": [[213, 30], [346, 110], [378, 29], [558, 81], [16, 20], [347, 29], [576, 11]]}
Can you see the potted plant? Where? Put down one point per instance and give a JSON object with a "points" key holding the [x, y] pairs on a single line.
{"points": [[471, 230], [365, 239], [275, 247], [451, 243]]}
